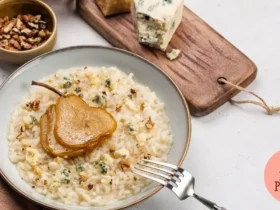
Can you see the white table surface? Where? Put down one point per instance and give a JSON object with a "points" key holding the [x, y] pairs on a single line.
{"points": [[231, 146]]}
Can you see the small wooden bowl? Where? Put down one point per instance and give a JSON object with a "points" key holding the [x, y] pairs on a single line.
{"points": [[12, 8]]}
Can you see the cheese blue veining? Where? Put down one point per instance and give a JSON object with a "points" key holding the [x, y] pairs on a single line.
{"points": [[156, 21]]}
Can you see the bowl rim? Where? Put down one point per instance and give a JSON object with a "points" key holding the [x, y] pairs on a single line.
{"points": [[53, 16], [189, 124]]}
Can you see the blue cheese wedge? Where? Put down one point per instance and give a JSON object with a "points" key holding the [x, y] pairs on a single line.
{"points": [[156, 21]]}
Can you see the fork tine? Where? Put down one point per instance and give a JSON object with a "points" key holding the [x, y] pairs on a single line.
{"points": [[164, 183], [154, 173], [160, 169], [160, 163]]}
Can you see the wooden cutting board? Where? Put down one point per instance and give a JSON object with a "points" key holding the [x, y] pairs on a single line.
{"points": [[205, 57], [11, 200]]}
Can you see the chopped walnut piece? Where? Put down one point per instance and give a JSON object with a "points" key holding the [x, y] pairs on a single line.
{"points": [[38, 17], [7, 36], [142, 106], [149, 124], [26, 32], [19, 24], [4, 43], [22, 128], [42, 33], [34, 105], [33, 25], [118, 108], [124, 166], [133, 91], [16, 37], [15, 44], [90, 186], [22, 38], [9, 27], [25, 45], [26, 18], [34, 33], [33, 41], [48, 33], [16, 30]]}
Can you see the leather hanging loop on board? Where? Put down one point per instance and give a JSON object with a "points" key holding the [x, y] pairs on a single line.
{"points": [[269, 109]]}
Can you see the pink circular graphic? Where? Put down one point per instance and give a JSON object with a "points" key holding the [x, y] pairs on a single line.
{"points": [[272, 176]]}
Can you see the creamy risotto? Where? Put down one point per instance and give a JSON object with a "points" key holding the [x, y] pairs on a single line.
{"points": [[104, 175]]}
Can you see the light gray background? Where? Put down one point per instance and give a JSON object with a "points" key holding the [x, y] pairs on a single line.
{"points": [[231, 146]]}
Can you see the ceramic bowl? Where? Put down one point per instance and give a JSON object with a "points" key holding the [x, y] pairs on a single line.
{"points": [[18, 84], [12, 8]]}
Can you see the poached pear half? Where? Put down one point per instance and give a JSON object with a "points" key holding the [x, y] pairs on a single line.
{"points": [[71, 127], [54, 147], [78, 125]]}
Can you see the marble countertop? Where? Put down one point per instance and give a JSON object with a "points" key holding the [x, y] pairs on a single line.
{"points": [[230, 147]]}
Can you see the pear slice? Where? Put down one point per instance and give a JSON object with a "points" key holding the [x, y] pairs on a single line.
{"points": [[54, 147], [78, 125], [44, 126]]}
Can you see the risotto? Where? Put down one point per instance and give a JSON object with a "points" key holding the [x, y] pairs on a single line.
{"points": [[104, 175]]}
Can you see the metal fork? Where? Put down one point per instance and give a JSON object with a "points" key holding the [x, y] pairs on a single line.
{"points": [[178, 180]]}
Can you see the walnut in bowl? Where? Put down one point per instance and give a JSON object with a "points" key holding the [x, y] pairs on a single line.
{"points": [[27, 30]]}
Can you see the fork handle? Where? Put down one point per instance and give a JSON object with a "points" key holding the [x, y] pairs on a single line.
{"points": [[208, 203]]}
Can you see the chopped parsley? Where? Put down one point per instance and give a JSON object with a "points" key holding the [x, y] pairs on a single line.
{"points": [[78, 90], [65, 172], [65, 181], [67, 84], [96, 99], [103, 168], [33, 120], [79, 167], [108, 83], [168, 1], [129, 96], [130, 127]]}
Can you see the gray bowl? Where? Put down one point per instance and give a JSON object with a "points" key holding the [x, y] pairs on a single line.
{"points": [[18, 84]]}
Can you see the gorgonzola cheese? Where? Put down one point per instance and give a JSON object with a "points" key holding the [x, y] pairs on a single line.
{"points": [[156, 21], [173, 54]]}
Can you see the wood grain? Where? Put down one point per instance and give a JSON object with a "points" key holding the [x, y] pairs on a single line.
{"points": [[205, 57]]}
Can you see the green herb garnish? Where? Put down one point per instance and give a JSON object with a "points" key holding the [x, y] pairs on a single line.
{"points": [[79, 167], [67, 84], [96, 99], [65, 172], [103, 168], [130, 127], [78, 90], [33, 120], [65, 181], [108, 83]]}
